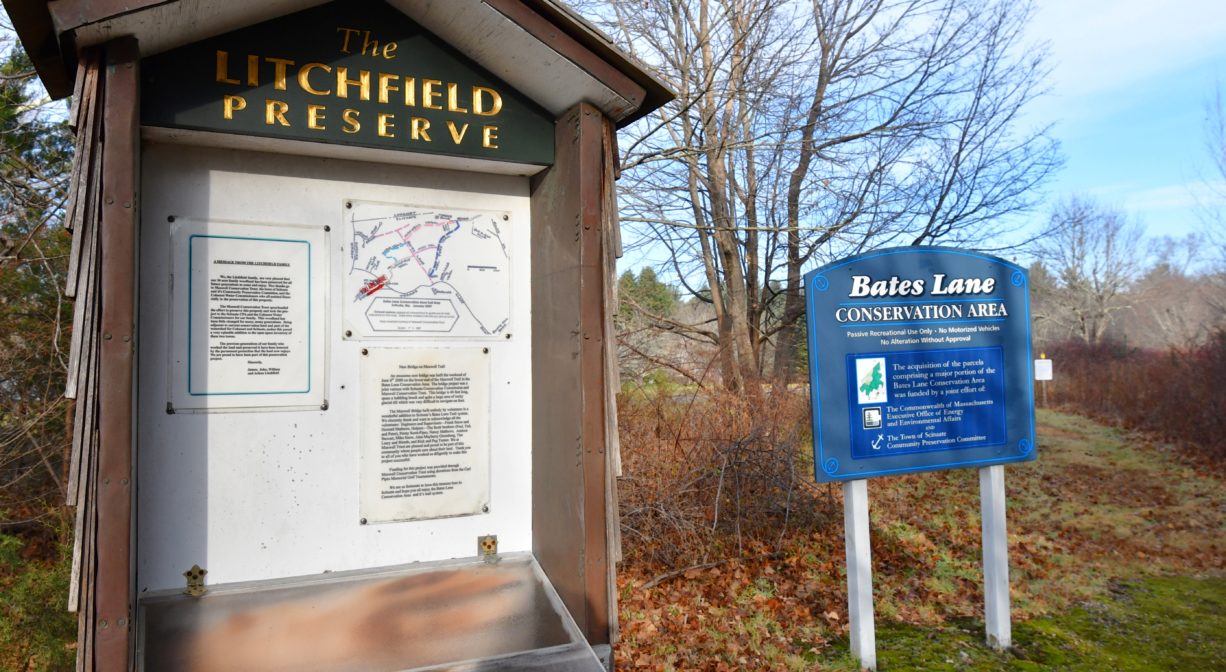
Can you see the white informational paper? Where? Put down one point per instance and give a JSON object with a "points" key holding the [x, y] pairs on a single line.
{"points": [[247, 316], [1042, 369], [424, 433], [426, 271]]}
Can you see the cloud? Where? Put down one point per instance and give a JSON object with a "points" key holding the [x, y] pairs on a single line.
{"points": [[1176, 208], [1101, 46], [1171, 197]]}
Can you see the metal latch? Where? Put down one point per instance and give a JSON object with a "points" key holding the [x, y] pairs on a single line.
{"points": [[487, 547], [195, 581]]}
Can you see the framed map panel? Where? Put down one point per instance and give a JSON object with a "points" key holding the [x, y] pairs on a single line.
{"points": [[426, 271]]}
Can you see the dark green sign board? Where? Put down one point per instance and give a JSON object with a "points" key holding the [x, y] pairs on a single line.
{"points": [[351, 72]]}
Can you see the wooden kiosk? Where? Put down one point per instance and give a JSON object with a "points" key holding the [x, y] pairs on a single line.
{"points": [[342, 354]]}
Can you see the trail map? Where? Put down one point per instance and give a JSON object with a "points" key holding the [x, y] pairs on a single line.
{"points": [[426, 271]]}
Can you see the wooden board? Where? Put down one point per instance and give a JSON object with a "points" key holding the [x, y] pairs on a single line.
{"points": [[112, 638], [568, 417]]}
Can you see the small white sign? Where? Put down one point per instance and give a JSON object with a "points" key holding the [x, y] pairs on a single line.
{"points": [[425, 433], [247, 316], [1042, 369]]}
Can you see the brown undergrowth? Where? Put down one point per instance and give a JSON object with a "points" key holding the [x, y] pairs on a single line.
{"points": [[700, 592], [713, 475], [1174, 394]]}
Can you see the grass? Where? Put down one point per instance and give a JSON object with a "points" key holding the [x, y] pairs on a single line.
{"points": [[1173, 623], [36, 631], [1116, 562]]}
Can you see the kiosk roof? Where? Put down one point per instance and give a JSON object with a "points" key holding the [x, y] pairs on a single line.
{"points": [[540, 47]]}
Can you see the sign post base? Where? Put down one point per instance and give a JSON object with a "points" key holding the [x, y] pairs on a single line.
{"points": [[863, 633], [995, 557]]}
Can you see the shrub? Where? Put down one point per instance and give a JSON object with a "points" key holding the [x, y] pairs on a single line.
{"points": [[705, 473], [1175, 393]]}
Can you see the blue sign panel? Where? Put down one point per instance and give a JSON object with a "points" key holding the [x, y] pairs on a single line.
{"points": [[919, 359]]}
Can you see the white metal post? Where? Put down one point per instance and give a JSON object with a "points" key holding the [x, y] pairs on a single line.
{"points": [[995, 557], [859, 573]]}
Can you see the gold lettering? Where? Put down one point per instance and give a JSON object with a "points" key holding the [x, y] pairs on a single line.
{"points": [[223, 68], [304, 78], [479, 103], [345, 41], [350, 117], [343, 82], [428, 94], [420, 129], [253, 70], [389, 51], [367, 42], [488, 135], [232, 104], [274, 112], [453, 103], [386, 126], [410, 92], [457, 136], [314, 116], [278, 80], [386, 86]]}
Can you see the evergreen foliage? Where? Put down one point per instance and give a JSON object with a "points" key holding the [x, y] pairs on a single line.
{"points": [[36, 148], [647, 293], [35, 158]]}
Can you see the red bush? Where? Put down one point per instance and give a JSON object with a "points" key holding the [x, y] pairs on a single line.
{"points": [[1175, 394]]}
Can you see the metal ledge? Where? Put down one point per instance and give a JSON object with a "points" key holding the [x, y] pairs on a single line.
{"points": [[466, 615]]}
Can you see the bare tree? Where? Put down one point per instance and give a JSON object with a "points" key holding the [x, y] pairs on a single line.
{"points": [[1095, 253], [805, 131], [1215, 143], [1045, 313], [1213, 210], [1171, 306]]}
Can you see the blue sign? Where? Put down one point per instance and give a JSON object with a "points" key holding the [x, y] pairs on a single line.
{"points": [[919, 359]]}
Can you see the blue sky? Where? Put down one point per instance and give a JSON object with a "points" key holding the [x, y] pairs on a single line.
{"points": [[1130, 83]]}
